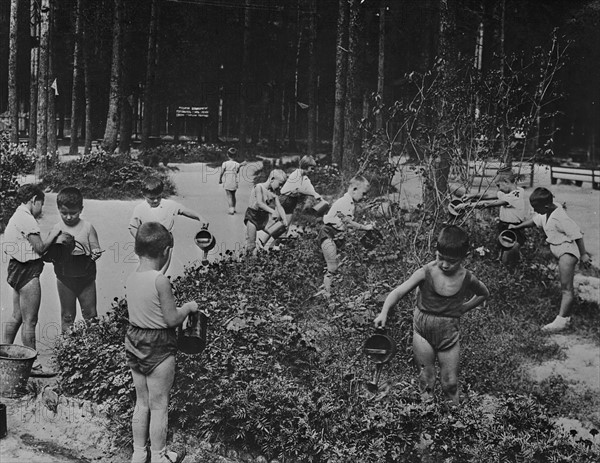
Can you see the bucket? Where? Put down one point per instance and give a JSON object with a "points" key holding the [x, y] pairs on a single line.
{"points": [[192, 338], [276, 229], [15, 367], [321, 207], [507, 239]]}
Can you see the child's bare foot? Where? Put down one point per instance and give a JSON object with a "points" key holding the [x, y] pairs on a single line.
{"points": [[559, 324]]}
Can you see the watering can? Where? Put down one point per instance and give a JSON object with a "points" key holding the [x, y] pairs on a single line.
{"points": [[205, 240], [192, 338], [321, 207], [380, 349], [61, 249], [507, 239], [276, 229]]}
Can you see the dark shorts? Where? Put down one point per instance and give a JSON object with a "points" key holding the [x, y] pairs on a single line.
{"points": [[519, 232], [145, 349], [441, 333], [21, 273], [258, 217], [328, 232], [289, 203], [77, 273]]}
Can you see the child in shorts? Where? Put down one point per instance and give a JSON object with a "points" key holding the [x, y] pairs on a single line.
{"points": [[445, 292], [566, 243], [151, 342], [335, 223], [262, 204], [513, 210], [24, 245], [76, 275], [157, 209], [230, 172]]}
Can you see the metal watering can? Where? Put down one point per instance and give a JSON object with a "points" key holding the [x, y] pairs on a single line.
{"points": [[321, 207], [192, 338], [507, 239], [276, 229], [206, 241], [380, 349]]}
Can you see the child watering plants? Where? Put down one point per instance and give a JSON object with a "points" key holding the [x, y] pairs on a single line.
{"points": [[566, 243], [151, 342], [445, 292]]}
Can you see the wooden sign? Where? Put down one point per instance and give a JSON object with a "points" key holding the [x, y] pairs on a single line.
{"points": [[191, 111]]}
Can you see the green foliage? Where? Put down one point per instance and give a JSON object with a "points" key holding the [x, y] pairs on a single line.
{"points": [[103, 176], [284, 373], [183, 153]]}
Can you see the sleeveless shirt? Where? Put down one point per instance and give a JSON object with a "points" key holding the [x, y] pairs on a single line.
{"points": [[429, 301], [143, 303]]}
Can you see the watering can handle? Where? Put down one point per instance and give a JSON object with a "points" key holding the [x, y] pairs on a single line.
{"points": [[380, 330], [204, 226]]}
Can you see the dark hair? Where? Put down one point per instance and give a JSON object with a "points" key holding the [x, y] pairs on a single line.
{"points": [[232, 152], [453, 241], [151, 239], [358, 180], [28, 191], [152, 186], [70, 197], [541, 196], [307, 161]]}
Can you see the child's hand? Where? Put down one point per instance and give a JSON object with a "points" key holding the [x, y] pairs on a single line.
{"points": [[586, 258], [191, 306], [368, 227], [379, 321], [96, 253], [511, 226]]}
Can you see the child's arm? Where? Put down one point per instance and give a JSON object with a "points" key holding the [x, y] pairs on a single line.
{"points": [[94, 243], [260, 200], [173, 315], [221, 176], [189, 213], [40, 246], [394, 297], [280, 211], [585, 256], [525, 224], [351, 223], [481, 293]]}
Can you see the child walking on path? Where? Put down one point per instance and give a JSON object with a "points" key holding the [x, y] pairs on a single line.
{"points": [[76, 275], [513, 210], [446, 291], [151, 342], [230, 173], [263, 203], [157, 209], [566, 243], [332, 235], [24, 245]]}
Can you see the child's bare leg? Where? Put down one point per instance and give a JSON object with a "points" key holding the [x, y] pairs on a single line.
{"points": [[449, 365], [566, 271], [250, 238], [68, 306], [329, 249], [87, 301], [141, 413], [424, 356], [11, 328], [29, 302], [159, 386]]}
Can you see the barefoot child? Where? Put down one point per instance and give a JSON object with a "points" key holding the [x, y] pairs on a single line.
{"points": [[151, 343], [335, 222], [24, 245], [230, 172], [566, 243], [76, 275], [263, 203], [446, 291]]}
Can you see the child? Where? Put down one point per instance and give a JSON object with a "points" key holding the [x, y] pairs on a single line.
{"points": [[513, 210], [76, 276], [230, 171], [156, 209], [262, 203], [24, 245], [296, 188], [151, 342], [336, 221], [566, 243], [446, 291]]}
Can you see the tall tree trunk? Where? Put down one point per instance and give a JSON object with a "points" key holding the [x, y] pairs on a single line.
{"points": [[77, 74], [381, 66], [13, 101], [52, 86], [87, 84], [34, 30], [311, 146], [243, 96], [150, 75], [341, 63], [109, 144], [293, 101], [41, 146], [126, 117], [353, 113]]}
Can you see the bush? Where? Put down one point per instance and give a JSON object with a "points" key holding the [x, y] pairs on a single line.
{"points": [[103, 176], [183, 153]]}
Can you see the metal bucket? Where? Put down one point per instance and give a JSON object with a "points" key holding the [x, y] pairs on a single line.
{"points": [[15, 367], [321, 207], [276, 229], [192, 338], [507, 239]]}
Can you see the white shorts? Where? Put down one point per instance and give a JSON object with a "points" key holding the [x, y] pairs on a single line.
{"points": [[568, 247]]}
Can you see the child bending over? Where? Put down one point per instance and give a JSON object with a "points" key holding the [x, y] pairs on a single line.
{"points": [[445, 291]]}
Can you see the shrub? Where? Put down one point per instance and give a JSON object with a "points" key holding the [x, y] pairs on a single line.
{"points": [[183, 153], [102, 176]]}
